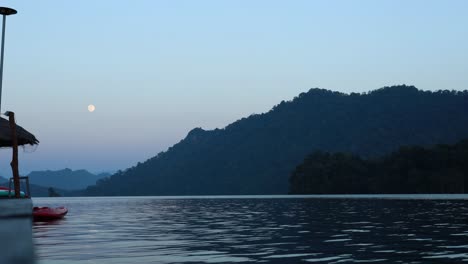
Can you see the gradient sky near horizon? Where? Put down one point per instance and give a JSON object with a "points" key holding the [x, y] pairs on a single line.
{"points": [[156, 69]]}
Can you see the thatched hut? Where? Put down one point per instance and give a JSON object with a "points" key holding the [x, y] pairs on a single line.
{"points": [[12, 135], [23, 136]]}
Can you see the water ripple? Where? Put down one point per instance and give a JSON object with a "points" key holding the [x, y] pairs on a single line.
{"points": [[244, 230]]}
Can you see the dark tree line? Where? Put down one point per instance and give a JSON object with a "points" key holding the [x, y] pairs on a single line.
{"points": [[414, 169], [256, 154]]}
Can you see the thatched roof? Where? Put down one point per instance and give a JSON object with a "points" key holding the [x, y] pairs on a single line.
{"points": [[24, 137]]}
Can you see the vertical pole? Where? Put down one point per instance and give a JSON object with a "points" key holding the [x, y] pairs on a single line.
{"points": [[14, 161], [28, 190], [1, 59]]}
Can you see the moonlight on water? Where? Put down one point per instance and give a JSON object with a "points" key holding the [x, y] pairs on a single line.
{"points": [[91, 108]]}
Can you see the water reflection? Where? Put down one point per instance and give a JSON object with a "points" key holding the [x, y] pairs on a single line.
{"points": [[228, 230]]}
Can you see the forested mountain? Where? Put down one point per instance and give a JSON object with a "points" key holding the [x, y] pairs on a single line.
{"points": [[256, 155], [65, 179], [440, 169]]}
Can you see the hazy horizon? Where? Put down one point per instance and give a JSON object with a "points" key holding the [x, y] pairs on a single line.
{"points": [[155, 70]]}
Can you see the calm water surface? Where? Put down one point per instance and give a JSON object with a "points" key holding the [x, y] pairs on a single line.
{"points": [[255, 229]]}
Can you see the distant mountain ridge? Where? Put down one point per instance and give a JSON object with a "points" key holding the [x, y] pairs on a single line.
{"points": [[256, 155], [65, 179]]}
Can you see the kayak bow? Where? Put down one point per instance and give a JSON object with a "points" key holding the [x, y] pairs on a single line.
{"points": [[48, 213]]}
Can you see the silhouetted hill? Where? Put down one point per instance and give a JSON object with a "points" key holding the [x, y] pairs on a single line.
{"points": [[256, 155], [413, 169], [65, 179]]}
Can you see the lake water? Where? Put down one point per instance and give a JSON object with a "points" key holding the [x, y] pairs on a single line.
{"points": [[266, 229]]}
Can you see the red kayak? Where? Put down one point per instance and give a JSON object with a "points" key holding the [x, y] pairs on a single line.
{"points": [[48, 213]]}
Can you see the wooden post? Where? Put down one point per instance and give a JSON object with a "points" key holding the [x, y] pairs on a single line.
{"points": [[14, 161]]}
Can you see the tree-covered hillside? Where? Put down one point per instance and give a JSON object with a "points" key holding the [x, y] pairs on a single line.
{"points": [[256, 155], [440, 169]]}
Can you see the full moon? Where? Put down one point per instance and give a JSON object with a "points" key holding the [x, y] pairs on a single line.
{"points": [[91, 108]]}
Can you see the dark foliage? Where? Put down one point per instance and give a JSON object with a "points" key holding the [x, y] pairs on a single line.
{"points": [[255, 155], [440, 169], [53, 193]]}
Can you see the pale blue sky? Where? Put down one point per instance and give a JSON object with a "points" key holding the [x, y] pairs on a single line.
{"points": [[156, 69]]}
